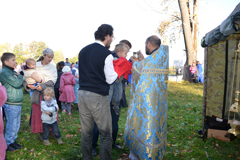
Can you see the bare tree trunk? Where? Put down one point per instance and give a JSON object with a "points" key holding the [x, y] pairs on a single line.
{"points": [[195, 24], [188, 39]]}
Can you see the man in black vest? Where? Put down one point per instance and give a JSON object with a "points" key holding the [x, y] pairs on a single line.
{"points": [[115, 117], [96, 73]]}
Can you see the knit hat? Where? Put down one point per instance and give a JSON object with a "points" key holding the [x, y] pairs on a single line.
{"points": [[66, 69], [48, 51]]}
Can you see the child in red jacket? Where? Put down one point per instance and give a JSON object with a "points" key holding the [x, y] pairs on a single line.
{"points": [[123, 68]]}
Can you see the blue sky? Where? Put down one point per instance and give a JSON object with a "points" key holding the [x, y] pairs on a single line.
{"points": [[70, 25]]}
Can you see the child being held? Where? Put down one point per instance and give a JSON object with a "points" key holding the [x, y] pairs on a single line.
{"points": [[49, 110], [32, 77], [123, 67], [67, 95]]}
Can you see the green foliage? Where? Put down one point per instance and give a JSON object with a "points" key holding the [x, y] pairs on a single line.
{"points": [[172, 70], [73, 59], [5, 48], [33, 50], [36, 49], [19, 51], [58, 56]]}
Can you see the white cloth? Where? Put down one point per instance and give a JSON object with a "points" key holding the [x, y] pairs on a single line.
{"points": [[133, 156], [29, 79], [109, 71], [49, 71], [18, 69]]}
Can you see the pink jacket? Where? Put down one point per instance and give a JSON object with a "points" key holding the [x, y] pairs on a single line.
{"points": [[193, 70], [67, 82], [3, 95], [3, 145]]}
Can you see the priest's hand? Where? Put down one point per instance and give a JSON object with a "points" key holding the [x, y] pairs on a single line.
{"points": [[141, 57]]}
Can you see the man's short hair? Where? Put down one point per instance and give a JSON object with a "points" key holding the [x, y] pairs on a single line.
{"points": [[126, 42], [103, 31], [154, 40], [6, 56], [49, 91]]}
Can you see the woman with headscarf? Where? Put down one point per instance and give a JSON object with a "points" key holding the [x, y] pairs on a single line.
{"points": [[49, 71]]}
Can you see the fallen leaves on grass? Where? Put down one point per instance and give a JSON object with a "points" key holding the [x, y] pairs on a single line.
{"points": [[32, 150], [69, 135], [124, 156]]}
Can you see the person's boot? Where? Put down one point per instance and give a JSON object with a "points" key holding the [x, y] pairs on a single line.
{"points": [[16, 145], [19, 145], [46, 142], [11, 148], [94, 152], [60, 141]]}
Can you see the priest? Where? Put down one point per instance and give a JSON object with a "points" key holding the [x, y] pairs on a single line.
{"points": [[146, 125]]}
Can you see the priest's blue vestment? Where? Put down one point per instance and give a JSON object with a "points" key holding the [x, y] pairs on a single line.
{"points": [[146, 125]]}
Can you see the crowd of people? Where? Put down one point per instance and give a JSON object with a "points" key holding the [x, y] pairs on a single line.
{"points": [[96, 83]]}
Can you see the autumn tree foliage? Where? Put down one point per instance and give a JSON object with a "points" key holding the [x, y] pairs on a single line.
{"points": [[33, 50], [179, 17]]}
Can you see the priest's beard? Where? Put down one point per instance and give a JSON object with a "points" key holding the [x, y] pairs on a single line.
{"points": [[147, 51]]}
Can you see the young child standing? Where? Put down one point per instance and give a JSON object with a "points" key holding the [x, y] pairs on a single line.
{"points": [[3, 145], [31, 76], [12, 107], [49, 110], [67, 95]]}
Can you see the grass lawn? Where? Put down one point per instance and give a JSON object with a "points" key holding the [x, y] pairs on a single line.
{"points": [[184, 120]]}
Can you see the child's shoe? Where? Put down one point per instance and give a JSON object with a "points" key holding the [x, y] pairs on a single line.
{"points": [[117, 110], [64, 110], [69, 114], [59, 141], [46, 142]]}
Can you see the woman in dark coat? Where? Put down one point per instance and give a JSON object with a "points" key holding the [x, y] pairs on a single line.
{"points": [[60, 65]]}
